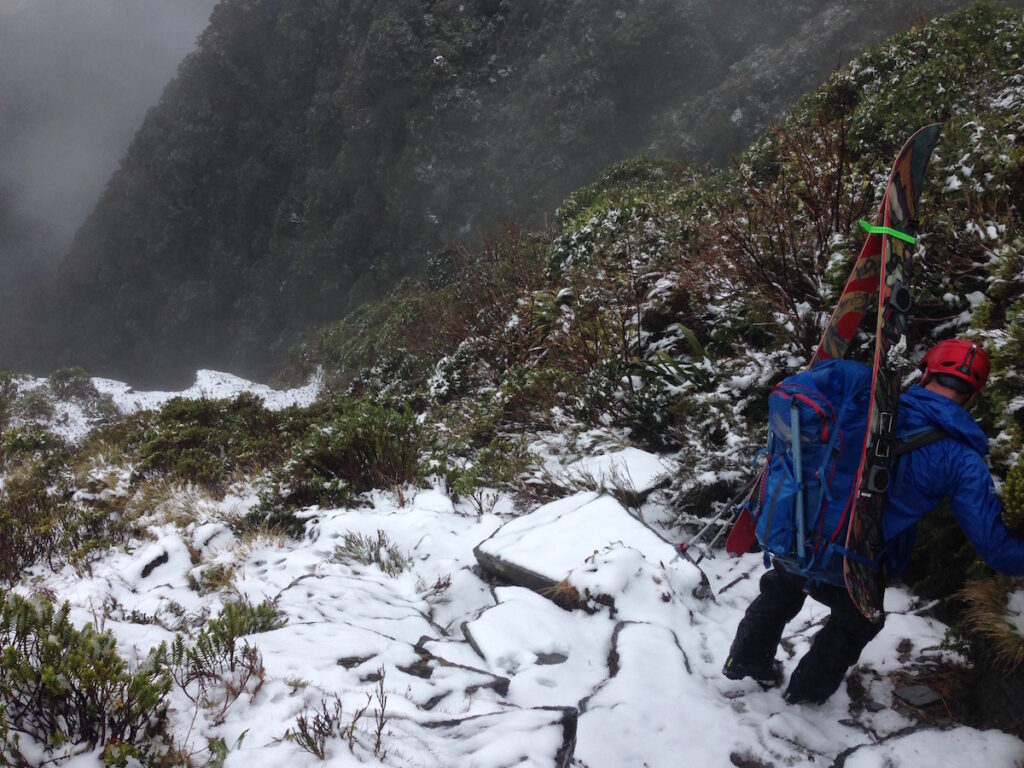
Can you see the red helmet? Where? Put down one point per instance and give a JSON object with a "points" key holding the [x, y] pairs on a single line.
{"points": [[959, 358]]}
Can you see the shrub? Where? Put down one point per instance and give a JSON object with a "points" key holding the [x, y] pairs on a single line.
{"points": [[361, 447], [31, 443], [29, 523], [8, 394], [206, 441], [500, 464], [72, 384], [61, 684], [34, 405], [215, 659], [1013, 498]]}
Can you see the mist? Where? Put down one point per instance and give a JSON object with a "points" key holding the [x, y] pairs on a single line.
{"points": [[76, 79]]}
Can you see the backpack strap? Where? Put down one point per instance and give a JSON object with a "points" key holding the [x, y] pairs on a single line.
{"points": [[921, 439], [910, 443]]}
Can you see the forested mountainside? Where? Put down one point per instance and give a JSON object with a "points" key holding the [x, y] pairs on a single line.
{"points": [[310, 154]]}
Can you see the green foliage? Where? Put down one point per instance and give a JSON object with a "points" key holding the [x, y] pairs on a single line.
{"points": [[381, 333], [29, 524], [8, 394], [1013, 498], [359, 445], [34, 499], [215, 660], [31, 443], [207, 441], [627, 184], [64, 685], [499, 464], [40, 518], [72, 383], [34, 405]]}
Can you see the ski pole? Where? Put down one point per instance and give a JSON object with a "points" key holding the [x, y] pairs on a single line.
{"points": [[729, 508], [685, 545]]}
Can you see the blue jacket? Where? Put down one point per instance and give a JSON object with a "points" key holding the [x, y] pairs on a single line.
{"points": [[952, 468]]}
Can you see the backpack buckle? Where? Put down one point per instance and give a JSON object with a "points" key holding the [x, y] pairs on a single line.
{"points": [[878, 479]]}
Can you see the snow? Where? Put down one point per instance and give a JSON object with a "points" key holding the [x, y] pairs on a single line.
{"points": [[71, 421], [628, 468], [1015, 610], [466, 673], [212, 385]]}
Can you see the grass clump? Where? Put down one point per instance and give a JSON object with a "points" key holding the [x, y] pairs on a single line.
{"points": [[984, 633], [370, 550]]}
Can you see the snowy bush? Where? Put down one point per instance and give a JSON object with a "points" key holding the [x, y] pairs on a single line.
{"points": [[206, 442], [214, 669], [61, 685], [359, 447]]}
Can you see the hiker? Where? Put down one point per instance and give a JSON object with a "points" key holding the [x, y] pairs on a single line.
{"points": [[953, 467]]}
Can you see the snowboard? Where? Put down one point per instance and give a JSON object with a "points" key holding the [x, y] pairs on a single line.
{"points": [[864, 287], [864, 573]]}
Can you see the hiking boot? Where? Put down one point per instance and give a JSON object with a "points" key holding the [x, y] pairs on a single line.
{"points": [[767, 677], [796, 697]]}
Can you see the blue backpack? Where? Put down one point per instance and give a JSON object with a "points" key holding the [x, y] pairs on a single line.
{"points": [[808, 488]]}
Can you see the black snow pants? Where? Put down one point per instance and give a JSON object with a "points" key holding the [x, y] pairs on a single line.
{"points": [[834, 649]]}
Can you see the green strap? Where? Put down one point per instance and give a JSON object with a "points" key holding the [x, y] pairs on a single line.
{"points": [[872, 229]]}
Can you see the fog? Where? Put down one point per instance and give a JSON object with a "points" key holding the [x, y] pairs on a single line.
{"points": [[76, 79]]}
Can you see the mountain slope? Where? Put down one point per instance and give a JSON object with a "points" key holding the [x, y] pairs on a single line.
{"points": [[307, 157]]}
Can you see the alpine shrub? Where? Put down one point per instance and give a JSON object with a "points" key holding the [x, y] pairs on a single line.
{"points": [[8, 394], [29, 523], [31, 443], [34, 405], [362, 447], [60, 685], [72, 383], [1013, 498], [206, 441]]}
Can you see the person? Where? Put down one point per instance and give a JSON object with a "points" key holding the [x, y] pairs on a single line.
{"points": [[954, 371]]}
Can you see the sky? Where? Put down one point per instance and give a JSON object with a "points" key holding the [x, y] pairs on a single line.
{"points": [[76, 79]]}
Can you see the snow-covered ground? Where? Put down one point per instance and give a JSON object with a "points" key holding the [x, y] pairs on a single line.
{"points": [[455, 668]]}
